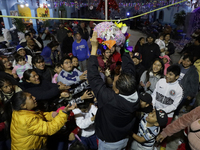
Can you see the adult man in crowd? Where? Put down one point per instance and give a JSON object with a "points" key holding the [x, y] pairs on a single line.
{"points": [[115, 117]]}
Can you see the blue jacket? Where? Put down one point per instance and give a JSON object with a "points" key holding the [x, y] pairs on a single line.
{"points": [[46, 53], [80, 50]]}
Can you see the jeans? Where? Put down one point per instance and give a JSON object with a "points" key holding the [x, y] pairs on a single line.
{"points": [[83, 65], [112, 145], [90, 142]]}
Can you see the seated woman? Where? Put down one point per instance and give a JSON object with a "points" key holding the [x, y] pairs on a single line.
{"points": [[150, 77], [39, 67], [29, 129], [40, 89]]}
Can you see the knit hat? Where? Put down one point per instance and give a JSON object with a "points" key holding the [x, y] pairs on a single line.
{"points": [[162, 118], [137, 55], [19, 47], [146, 97]]}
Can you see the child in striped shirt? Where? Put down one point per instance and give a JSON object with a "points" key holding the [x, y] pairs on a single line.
{"points": [[149, 128], [21, 66]]}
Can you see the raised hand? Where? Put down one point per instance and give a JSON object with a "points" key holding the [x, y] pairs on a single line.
{"points": [[69, 108], [87, 95]]}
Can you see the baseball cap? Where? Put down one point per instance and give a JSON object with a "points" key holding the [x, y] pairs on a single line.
{"points": [[162, 118], [137, 55], [146, 97]]}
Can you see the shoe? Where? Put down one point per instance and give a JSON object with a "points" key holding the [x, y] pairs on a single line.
{"points": [[162, 148]]}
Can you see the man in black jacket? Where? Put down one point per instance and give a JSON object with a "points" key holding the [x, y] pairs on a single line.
{"points": [[115, 117], [67, 43], [150, 51]]}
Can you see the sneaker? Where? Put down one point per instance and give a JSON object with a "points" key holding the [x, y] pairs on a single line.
{"points": [[162, 148]]}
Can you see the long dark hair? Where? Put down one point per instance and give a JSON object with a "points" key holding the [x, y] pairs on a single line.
{"points": [[151, 69], [27, 74], [15, 103], [2, 82], [138, 42]]}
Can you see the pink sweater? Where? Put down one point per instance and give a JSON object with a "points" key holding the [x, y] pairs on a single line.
{"points": [[189, 119]]}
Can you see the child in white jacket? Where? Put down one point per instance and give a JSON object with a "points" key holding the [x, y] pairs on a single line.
{"points": [[161, 44], [168, 93], [85, 116]]}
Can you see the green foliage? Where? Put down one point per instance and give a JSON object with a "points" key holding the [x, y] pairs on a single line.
{"points": [[179, 18], [18, 22]]}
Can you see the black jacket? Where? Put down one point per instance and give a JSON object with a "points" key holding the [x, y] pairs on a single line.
{"points": [[190, 82], [67, 45], [171, 48], [115, 117], [85, 34], [139, 71], [45, 74], [149, 53], [43, 91]]}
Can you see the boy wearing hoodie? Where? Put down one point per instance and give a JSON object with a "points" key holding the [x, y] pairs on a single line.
{"points": [[166, 61], [168, 94]]}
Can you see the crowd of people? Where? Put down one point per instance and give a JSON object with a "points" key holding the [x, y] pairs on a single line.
{"points": [[66, 91]]}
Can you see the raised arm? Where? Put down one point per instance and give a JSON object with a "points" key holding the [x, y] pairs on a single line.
{"points": [[102, 93], [127, 63]]}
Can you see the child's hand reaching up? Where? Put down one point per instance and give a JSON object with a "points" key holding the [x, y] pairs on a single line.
{"points": [[87, 95], [69, 108]]}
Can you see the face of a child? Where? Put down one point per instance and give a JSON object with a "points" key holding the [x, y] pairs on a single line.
{"points": [[143, 104], [161, 37], [21, 62], [164, 60], [7, 88], [30, 102], [6, 63], [75, 62], [57, 69], [186, 63], [157, 67], [85, 110], [135, 61], [112, 50], [107, 54], [171, 77], [67, 65], [22, 52], [151, 118]]}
